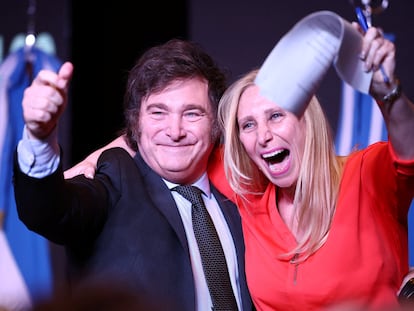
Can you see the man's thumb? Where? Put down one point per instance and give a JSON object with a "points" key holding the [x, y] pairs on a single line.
{"points": [[65, 74]]}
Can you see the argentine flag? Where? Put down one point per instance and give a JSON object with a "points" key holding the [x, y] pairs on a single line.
{"points": [[25, 261], [361, 124]]}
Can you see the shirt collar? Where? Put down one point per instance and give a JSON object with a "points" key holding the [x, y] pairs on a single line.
{"points": [[202, 183]]}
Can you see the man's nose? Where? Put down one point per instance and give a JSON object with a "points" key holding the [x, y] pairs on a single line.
{"points": [[175, 129]]}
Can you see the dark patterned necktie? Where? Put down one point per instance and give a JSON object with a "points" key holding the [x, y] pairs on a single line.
{"points": [[211, 251]]}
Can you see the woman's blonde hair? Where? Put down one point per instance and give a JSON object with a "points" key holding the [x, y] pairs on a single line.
{"points": [[319, 177]]}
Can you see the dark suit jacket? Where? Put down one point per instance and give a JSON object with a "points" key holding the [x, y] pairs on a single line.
{"points": [[123, 225]]}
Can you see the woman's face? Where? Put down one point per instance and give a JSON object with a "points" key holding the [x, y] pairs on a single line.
{"points": [[273, 137]]}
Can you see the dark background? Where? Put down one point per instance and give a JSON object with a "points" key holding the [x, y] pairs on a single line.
{"points": [[104, 40]]}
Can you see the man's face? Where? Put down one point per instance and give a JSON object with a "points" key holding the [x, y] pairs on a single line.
{"points": [[175, 131]]}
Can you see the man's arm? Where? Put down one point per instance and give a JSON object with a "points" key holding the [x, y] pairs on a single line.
{"points": [[43, 103]]}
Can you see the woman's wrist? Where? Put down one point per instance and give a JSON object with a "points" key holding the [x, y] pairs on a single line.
{"points": [[394, 94], [407, 292]]}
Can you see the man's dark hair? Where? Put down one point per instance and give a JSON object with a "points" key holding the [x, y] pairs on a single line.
{"points": [[163, 64]]}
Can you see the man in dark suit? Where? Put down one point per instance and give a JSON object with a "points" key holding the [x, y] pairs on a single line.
{"points": [[126, 226]]}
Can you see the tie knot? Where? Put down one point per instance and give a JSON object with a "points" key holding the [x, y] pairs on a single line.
{"points": [[191, 193]]}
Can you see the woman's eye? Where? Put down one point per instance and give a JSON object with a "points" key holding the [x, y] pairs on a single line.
{"points": [[275, 115], [247, 125]]}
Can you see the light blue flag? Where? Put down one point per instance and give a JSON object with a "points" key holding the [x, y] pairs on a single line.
{"points": [[30, 250], [361, 124]]}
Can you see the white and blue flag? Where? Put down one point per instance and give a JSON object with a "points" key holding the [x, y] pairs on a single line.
{"points": [[25, 261], [360, 124]]}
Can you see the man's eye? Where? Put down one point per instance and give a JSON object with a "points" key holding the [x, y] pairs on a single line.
{"points": [[193, 115], [157, 114]]}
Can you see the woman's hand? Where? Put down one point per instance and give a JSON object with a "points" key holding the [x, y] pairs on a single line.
{"points": [[88, 166]]}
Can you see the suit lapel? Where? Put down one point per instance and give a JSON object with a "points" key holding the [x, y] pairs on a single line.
{"points": [[164, 202], [232, 216], [162, 199]]}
